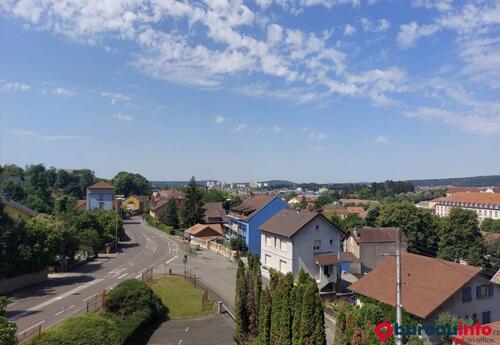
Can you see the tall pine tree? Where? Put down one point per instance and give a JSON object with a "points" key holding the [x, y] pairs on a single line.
{"points": [[240, 304], [265, 306], [192, 210], [171, 215], [312, 325]]}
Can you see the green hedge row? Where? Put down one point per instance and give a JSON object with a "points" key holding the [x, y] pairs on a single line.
{"points": [[128, 310], [155, 223]]}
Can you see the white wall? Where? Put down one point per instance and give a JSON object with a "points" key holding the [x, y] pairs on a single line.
{"points": [[272, 253]]}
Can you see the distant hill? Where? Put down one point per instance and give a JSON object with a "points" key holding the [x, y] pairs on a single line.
{"points": [[476, 181]]}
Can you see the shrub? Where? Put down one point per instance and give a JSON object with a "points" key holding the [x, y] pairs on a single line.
{"points": [[88, 329], [238, 244], [132, 296]]}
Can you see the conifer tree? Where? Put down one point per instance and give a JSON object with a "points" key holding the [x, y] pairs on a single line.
{"points": [[297, 300], [312, 319], [265, 307], [192, 210], [240, 304], [171, 215]]}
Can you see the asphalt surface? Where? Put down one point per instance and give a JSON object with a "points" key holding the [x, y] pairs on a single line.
{"points": [[211, 330], [66, 294]]}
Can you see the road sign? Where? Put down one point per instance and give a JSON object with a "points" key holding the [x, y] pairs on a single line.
{"points": [[185, 259]]}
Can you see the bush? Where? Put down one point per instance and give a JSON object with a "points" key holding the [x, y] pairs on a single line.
{"points": [[238, 244], [128, 309], [132, 296], [88, 329]]}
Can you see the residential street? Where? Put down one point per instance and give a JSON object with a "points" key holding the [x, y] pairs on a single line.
{"points": [[64, 295]]}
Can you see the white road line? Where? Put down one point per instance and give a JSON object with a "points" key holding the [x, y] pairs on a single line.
{"points": [[187, 329], [172, 259], [58, 298], [123, 276], [10, 304], [180, 342], [27, 329], [59, 313], [92, 296], [71, 306]]}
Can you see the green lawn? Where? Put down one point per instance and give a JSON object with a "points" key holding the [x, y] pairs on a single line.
{"points": [[181, 297]]}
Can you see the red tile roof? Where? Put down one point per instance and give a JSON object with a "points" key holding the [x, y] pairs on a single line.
{"points": [[326, 259], [101, 185], [368, 234], [81, 203], [426, 282], [172, 193], [214, 229], [252, 205], [214, 212], [288, 222], [480, 198]]}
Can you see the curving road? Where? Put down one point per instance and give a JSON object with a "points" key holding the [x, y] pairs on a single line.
{"points": [[64, 295]]}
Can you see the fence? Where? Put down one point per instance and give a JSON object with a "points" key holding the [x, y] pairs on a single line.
{"points": [[217, 248], [23, 337], [95, 302], [147, 274]]}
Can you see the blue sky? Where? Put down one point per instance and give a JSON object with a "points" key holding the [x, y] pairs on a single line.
{"points": [[306, 90]]}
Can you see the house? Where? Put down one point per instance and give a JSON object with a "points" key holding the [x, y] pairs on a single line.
{"points": [[15, 209], [431, 286], [100, 195], [159, 200], [206, 231], [291, 240], [496, 278], [81, 204], [214, 213], [245, 219], [486, 205], [367, 246], [135, 203]]}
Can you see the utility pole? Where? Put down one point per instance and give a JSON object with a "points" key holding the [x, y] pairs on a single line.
{"points": [[399, 312]]}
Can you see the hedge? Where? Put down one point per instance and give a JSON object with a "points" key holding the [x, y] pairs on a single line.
{"points": [[129, 309], [155, 223]]}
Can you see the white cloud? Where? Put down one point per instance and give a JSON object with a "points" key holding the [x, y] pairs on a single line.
{"points": [[122, 117], [62, 91], [14, 86], [276, 129], [241, 127], [26, 134], [115, 97], [380, 26], [219, 119], [441, 5], [349, 30], [318, 136], [410, 33], [381, 140]]}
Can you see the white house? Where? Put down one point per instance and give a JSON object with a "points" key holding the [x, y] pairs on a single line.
{"points": [[291, 240], [486, 205]]}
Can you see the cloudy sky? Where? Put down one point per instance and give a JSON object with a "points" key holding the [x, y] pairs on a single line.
{"points": [[306, 90]]}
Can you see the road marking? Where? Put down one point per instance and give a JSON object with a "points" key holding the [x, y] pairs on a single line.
{"points": [[10, 304], [27, 329], [187, 329], [59, 313], [170, 260], [55, 299], [180, 342], [92, 296], [71, 306], [122, 276]]}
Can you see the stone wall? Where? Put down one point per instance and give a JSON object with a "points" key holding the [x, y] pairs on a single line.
{"points": [[24, 280]]}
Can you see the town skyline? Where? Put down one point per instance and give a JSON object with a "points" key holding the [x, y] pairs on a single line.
{"points": [[307, 91]]}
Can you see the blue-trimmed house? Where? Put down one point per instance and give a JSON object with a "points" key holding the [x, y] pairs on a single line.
{"points": [[245, 219]]}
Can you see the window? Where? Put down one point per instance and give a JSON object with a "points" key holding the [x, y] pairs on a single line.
{"points": [[283, 266], [269, 241], [326, 270], [284, 246], [316, 245], [101, 197], [277, 242], [486, 317], [267, 259], [484, 291], [466, 294], [101, 205], [317, 226], [331, 242]]}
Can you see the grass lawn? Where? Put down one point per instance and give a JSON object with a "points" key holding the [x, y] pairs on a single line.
{"points": [[181, 297]]}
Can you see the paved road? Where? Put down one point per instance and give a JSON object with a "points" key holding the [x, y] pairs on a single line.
{"points": [[65, 294]]}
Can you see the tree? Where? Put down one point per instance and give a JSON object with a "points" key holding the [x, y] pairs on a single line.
{"points": [[353, 221], [171, 215], [419, 225], [240, 304], [324, 199], [192, 210], [460, 238], [312, 329], [63, 178], [73, 189], [303, 203], [297, 300], [7, 329], [14, 190], [264, 318], [129, 184], [493, 250], [490, 225], [281, 316], [38, 190], [372, 215], [64, 204]]}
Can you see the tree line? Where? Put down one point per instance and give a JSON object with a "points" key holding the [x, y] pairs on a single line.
{"points": [[38, 187], [282, 314], [33, 244]]}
